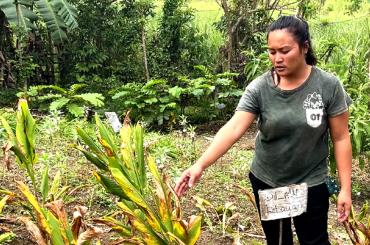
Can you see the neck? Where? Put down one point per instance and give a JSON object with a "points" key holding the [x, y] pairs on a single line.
{"points": [[296, 79]]}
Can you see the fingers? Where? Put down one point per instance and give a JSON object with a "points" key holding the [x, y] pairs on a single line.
{"points": [[344, 210], [182, 185]]}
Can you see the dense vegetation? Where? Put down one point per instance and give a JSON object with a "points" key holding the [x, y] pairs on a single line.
{"points": [[175, 65]]}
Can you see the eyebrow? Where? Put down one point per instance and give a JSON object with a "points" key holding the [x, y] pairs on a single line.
{"points": [[282, 48]]}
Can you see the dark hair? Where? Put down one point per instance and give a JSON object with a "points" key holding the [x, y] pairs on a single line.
{"points": [[299, 29]]}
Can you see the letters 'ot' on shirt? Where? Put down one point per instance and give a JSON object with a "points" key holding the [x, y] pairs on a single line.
{"points": [[292, 140]]}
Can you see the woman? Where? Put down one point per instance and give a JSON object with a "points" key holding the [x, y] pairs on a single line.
{"points": [[297, 105]]}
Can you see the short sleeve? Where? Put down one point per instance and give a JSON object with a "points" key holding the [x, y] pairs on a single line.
{"points": [[339, 102], [249, 100]]}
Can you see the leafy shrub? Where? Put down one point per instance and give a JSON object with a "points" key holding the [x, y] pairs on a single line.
{"points": [[203, 98], [64, 99]]}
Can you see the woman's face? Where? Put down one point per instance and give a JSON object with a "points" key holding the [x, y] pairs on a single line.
{"points": [[284, 52]]}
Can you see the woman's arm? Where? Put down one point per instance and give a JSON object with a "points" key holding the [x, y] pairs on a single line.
{"points": [[343, 155], [224, 139]]}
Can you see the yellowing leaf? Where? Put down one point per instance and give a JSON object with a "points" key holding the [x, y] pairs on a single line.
{"points": [[41, 214], [3, 203], [194, 229]]}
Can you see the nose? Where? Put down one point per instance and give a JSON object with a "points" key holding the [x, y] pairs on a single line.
{"points": [[278, 58]]}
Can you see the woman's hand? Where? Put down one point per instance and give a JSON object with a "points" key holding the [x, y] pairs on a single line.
{"points": [[344, 204], [188, 178]]}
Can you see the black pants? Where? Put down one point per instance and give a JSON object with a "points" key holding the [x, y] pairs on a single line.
{"points": [[311, 226]]}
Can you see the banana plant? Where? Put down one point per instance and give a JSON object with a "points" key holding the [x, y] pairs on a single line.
{"points": [[153, 211], [58, 15]]}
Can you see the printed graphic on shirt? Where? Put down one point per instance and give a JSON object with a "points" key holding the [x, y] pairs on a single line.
{"points": [[314, 109]]}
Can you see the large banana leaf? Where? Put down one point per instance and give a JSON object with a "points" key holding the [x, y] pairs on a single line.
{"points": [[53, 21], [19, 14], [67, 12], [58, 15]]}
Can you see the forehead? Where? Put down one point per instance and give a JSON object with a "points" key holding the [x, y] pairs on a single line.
{"points": [[280, 38]]}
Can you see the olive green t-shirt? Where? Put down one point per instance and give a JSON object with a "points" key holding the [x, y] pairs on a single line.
{"points": [[292, 139]]}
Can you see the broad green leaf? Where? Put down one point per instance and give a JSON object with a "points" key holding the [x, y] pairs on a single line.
{"points": [[151, 100], [176, 91], [75, 110], [111, 186], [154, 82], [130, 190], [95, 160], [77, 86], [30, 128], [58, 104], [67, 11], [54, 22], [44, 188], [135, 196], [90, 142], [24, 18], [94, 99]]}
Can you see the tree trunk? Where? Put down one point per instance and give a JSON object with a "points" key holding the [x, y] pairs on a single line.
{"points": [[229, 45], [51, 71], [145, 59]]}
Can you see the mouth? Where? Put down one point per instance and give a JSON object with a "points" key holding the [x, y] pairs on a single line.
{"points": [[280, 68]]}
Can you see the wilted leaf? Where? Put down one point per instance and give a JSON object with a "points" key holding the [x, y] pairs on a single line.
{"points": [[33, 230], [6, 149], [77, 222], [90, 234], [57, 208], [249, 195]]}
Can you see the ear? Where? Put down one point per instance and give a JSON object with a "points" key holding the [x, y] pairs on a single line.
{"points": [[306, 46]]}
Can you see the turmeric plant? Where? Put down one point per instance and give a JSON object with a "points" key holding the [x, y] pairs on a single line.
{"points": [[151, 207]]}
